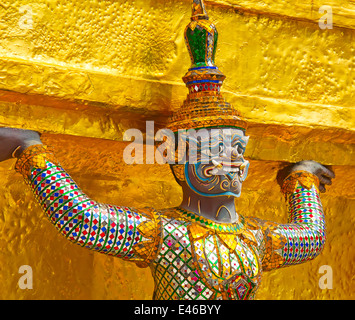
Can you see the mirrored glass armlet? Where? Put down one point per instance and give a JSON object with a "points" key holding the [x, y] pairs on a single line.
{"points": [[35, 156], [303, 178]]}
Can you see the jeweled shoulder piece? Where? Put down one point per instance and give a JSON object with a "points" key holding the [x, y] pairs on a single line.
{"points": [[205, 106]]}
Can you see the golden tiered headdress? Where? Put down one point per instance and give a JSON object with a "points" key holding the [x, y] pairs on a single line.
{"points": [[205, 106]]}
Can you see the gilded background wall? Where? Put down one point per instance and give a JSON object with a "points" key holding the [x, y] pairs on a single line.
{"points": [[83, 72]]}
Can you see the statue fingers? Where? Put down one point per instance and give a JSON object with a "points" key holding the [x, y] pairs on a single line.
{"points": [[322, 188], [325, 180], [327, 172]]}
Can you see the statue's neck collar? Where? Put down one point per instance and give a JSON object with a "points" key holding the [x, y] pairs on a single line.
{"points": [[235, 227]]}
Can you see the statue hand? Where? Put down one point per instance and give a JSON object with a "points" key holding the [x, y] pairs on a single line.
{"points": [[11, 138], [324, 174]]}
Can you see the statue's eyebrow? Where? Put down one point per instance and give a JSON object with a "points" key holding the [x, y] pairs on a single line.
{"points": [[237, 138], [195, 139], [214, 138]]}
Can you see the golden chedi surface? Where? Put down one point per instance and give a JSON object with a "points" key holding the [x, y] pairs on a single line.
{"points": [[83, 73]]}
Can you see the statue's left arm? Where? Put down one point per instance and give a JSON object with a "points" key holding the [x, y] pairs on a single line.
{"points": [[303, 237], [124, 232]]}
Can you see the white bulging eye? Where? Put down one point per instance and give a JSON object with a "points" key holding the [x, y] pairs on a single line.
{"points": [[206, 151]]}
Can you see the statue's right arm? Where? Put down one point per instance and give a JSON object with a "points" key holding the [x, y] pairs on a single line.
{"points": [[303, 237], [119, 231]]}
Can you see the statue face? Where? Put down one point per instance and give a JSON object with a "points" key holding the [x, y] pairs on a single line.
{"points": [[218, 168]]}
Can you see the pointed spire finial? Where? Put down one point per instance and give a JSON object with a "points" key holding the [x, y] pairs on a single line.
{"points": [[205, 106], [201, 36], [198, 10]]}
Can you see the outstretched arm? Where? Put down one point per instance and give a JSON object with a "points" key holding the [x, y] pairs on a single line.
{"points": [[303, 237], [113, 230]]}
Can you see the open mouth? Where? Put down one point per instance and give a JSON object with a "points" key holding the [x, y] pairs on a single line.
{"points": [[225, 167]]}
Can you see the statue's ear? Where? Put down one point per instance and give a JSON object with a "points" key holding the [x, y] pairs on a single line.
{"points": [[178, 172]]}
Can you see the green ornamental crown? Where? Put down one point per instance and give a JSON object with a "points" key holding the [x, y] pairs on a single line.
{"points": [[201, 37], [204, 107]]}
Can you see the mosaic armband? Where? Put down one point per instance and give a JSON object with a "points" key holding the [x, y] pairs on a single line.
{"points": [[34, 156], [299, 178]]}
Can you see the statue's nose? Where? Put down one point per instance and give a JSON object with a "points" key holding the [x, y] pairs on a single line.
{"points": [[232, 153]]}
